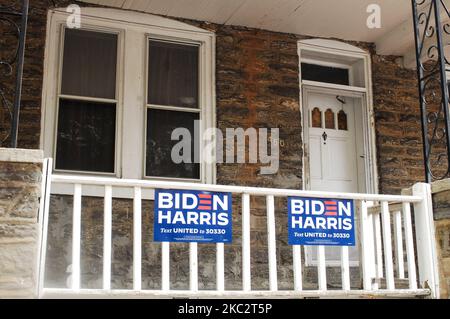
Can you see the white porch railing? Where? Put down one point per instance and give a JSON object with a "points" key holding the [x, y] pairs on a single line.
{"points": [[380, 244]]}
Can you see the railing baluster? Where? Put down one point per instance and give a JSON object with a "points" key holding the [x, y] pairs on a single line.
{"points": [[367, 246], [107, 237], [387, 245], [45, 203], [398, 239], [193, 266], [76, 238], [220, 267], [409, 246], [246, 266], [165, 266], [321, 268], [297, 259], [379, 250], [137, 239], [345, 268], [272, 247]]}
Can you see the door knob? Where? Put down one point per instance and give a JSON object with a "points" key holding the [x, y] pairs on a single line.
{"points": [[325, 137]]}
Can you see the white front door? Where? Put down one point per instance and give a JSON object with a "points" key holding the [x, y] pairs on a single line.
{"points": [[334, 150], [332, 143]]}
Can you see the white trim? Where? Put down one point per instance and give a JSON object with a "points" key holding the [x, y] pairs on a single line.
{"points": [[57, 293], [133, 31], [333, 45], [202, 110], [345, 88], [340, 50]]}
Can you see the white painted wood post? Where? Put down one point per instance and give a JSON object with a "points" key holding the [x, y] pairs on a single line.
{"points": [[398, 239], [271, 237], [387, 245], [165, 266], [426, 240], [345, 268], [220, 267], [137, 239], [321, 268], [367, 246], [193, 266], [107, 237], [409, 241], [297, 264], [45, 208], [378, 246], [76, 238], [246, 266]]}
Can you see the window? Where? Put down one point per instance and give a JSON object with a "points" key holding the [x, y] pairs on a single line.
{"points": [[327, 74], [117, 88], [87, 102], [172, 102]]}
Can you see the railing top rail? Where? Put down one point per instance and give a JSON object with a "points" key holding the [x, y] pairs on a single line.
{"points": [[256, 191]]}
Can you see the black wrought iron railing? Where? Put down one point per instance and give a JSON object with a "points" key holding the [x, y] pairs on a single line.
{"points": [[13, 20], [432, 31]]}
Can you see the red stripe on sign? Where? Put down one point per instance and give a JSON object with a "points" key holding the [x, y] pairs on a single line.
{"points": [[207, 196], [333, 209], [204, 207], [205, 201], [331, 214], [330, 203]]}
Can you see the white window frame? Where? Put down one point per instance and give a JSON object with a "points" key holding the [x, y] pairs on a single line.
{"points": [[133, 29], [201, 110]]}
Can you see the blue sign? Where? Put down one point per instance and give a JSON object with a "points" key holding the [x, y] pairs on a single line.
{"points": [[192, 216], [318, 221]]}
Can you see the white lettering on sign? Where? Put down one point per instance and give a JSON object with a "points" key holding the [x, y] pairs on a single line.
{"points": [[189, 201], [334, 214], [172, 205]]}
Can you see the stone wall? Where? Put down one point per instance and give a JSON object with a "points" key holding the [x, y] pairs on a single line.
{"points": [[20, 178], [441, 206], [257, 85]]}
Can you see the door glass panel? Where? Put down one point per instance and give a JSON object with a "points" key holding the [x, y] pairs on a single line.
{"points": [[316, 118], [342, 121], [329, 119]]}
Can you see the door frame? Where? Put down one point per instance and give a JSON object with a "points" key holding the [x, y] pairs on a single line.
{"points": [[327, 52], [342, 50]]}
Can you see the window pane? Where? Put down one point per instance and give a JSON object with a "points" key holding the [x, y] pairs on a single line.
{"points": [[86, 136], [319, 73], [160, 125], [173, 74], [89, 66]]}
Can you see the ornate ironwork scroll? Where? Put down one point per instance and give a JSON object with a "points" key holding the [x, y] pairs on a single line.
{"points": [[431, 29], [13, 23]]}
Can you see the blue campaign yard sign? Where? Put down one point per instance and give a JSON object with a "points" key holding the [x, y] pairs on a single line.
{"points": [[319, 221], [192, 216]]}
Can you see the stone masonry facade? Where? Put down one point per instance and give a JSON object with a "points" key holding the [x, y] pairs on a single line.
{"points": [[257, 85], [20, 181]]}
